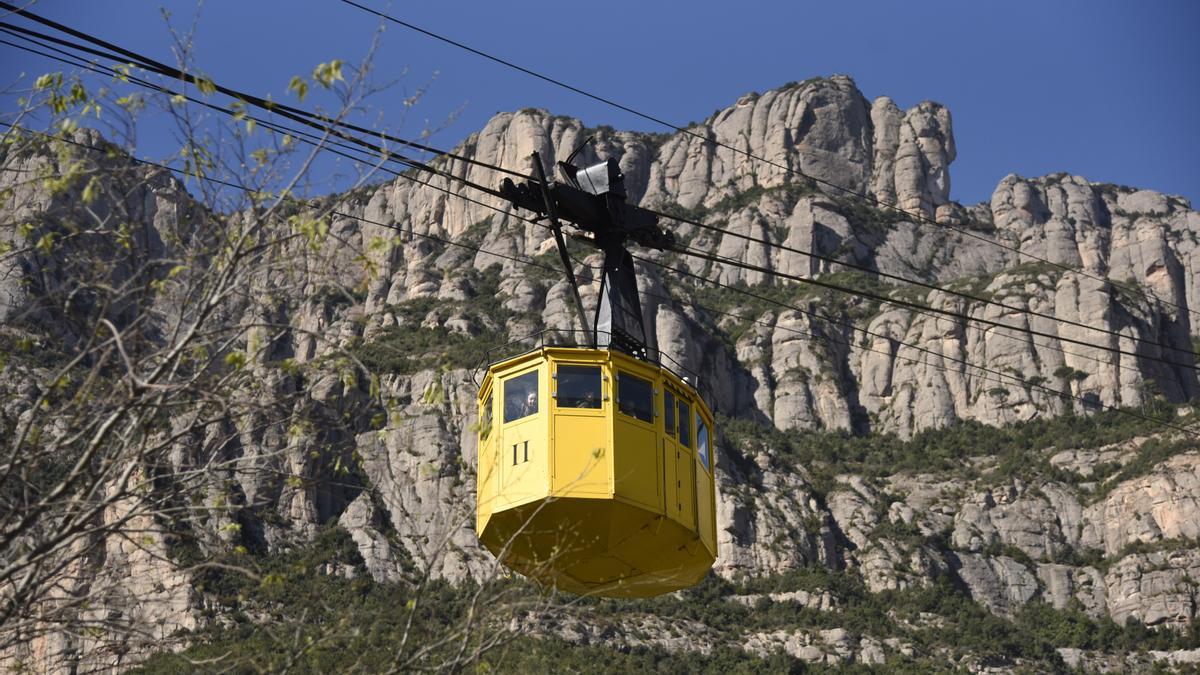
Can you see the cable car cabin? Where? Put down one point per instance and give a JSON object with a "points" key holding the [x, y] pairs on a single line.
{"points": [[596, 473], [595, 466]]}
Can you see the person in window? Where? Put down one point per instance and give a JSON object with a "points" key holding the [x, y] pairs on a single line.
{"points": [[588, 400], [530, 405]]}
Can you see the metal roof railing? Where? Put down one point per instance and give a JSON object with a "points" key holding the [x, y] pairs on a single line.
{"points": [[558, 337]]}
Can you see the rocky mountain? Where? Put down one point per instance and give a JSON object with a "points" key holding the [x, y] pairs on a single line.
{"points": [[867, 467]]}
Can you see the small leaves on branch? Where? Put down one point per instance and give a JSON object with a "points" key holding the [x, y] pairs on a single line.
{"points": [[324, 76]]}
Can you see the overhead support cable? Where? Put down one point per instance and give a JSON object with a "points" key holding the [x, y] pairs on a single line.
{"points": [[897, 302], [923, 284], [171, 72], [1008, 377], [831, 320], [919, 218], [302, 116], [456, 195], [340, 214], [335, 133], [342, 140]]}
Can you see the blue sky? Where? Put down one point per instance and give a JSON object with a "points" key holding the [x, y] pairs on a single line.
{"points": [[1104, 89]]}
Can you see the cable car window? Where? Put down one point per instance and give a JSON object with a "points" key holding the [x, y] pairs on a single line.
{"points": [[702, 441], [521, 396], [669, 411], [485, 419], [578, 387], [635, 397], [685, 426]]}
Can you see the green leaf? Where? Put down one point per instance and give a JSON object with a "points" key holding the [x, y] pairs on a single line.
{"points": [[89, 191], [325, 74], [235, 359], [47, 81], [206, 86], [122, 71], [299, 87], [46, 243]]}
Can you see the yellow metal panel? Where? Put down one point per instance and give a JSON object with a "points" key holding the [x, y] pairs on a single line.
{"points": [[685, 497], [522, 459], [668, 556], [543, 540], [523, 454], [706, 494], [635, 462], [670, 477], [486, 481], [486, 478], [601, 569], [582, 464], [704, 506], [581, 461]]}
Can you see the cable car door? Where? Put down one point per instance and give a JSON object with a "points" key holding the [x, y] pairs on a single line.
{"points": [[522, 455], [677, 460]]}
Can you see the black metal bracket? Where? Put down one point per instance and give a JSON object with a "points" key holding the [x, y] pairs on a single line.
{"points": [[593, 200]]}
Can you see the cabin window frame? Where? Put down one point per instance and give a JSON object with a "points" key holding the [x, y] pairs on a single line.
{"points": [[556, 387], [669, 418], [684, 414], [703, 442], [487, 418], [651, 389], [537, 403]]}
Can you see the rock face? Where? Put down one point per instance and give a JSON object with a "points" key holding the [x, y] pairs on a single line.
{"points": [[1001, 584], [913, 152], [1159, 507], [819, 127], [819, 362], [777, 525], [832, 647]]}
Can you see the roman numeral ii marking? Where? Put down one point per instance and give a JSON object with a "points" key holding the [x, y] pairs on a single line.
{"points": [[515, 453]]}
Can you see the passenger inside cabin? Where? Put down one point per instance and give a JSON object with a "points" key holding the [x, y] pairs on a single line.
{"points": [[578, 386], [520, 396]]}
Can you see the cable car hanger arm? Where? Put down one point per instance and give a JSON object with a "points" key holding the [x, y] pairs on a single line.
{"points": [[556, 227], [593, 199]]}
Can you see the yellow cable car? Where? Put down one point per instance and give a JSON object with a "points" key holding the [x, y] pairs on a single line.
{"points": [[595, 465], [596, 473]]}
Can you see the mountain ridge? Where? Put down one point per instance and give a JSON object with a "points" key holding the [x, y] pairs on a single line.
{"points": [[373, 340]]}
